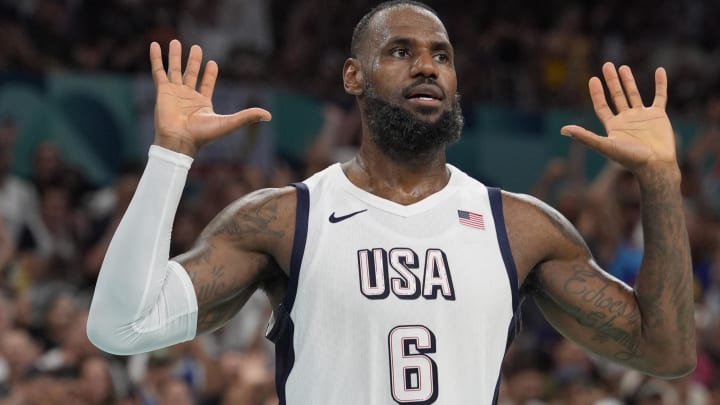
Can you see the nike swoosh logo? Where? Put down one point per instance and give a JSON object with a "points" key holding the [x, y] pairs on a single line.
{"points": [[333, 219]]}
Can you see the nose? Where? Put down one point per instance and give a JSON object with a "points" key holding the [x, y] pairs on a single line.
{"points": [[424, 65]]}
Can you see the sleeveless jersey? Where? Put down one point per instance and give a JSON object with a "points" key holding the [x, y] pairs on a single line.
{"points": [[395, 304]]}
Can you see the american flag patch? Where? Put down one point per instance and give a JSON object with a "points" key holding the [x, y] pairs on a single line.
{"points": [[471, 219]]}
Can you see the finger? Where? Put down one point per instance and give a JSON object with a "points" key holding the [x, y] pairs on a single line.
{"points": [[614, 87], [193, 66], [597, 95], [207, 86], [240, 118], [631, 90], [661, 85], [586, 137], [174, 64], [156, 64]]}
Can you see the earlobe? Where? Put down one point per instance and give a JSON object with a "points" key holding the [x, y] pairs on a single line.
{"points": [[352, 77]]}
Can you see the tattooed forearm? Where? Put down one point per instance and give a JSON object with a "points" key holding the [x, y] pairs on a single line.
{"points": [[606, 329], [590, 287], [612, 316], [664, 284]]}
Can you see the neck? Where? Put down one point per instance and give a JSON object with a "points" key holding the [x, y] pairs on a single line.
{"points": [[405, 182]]}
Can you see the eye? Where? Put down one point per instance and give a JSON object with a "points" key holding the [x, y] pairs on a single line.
{"points": [[442, 58], [400, 52]]}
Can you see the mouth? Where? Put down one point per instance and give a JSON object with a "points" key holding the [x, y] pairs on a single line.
{"points": [[425, 95]]}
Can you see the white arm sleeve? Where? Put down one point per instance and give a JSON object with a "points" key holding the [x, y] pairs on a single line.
{"points": [[143, 301]]}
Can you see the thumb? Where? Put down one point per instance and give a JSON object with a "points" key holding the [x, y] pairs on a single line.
{"points": [[586, 137], [246, 116], [251, 115]]}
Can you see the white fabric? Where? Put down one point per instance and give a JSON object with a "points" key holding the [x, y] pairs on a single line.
{"points": [[365, 289], [143, 301]]}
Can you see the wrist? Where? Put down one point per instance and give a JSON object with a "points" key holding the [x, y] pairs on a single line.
{"points": [[667, 172], [173, 157], [177, 145]]}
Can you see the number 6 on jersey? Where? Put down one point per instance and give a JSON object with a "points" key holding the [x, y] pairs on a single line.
{"points": [[413, 375]]}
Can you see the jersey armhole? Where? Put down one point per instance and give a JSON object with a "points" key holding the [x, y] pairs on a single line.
{"points": [[496, 206]]}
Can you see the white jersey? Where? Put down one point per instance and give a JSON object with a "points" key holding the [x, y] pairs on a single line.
{"points": [[390, 303]]}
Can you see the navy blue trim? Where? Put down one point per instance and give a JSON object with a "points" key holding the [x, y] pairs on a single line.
{"points": [[497, 389], [512, 329], [499, 218], [302, 211], [284, 329], [284, 353]]}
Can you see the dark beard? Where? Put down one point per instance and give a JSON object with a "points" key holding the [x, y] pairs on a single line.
{"points": [[402, 136]]}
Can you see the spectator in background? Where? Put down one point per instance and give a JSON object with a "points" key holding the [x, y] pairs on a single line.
{"points": [[175, 392], [49, 169], [54, 238], [7, 253], [95, 384], [19, 352], [566, 59], [236, 34], [50, 26], [17, 51], [18, 198]]}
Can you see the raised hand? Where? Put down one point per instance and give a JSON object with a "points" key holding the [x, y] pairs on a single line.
{"points": [[637, 136], [184, 116]]}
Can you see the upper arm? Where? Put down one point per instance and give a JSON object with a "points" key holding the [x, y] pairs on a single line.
{"points": [[586, 304], [245, 246]]}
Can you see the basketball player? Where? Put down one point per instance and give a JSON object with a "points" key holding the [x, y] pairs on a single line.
{"points": [[394, 277]]}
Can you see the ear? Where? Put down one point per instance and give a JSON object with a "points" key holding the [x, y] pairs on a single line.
{"points": [[353, 77]]}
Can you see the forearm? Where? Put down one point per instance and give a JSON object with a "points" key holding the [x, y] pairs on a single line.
{"points": [[663, 286], [142, 301]]}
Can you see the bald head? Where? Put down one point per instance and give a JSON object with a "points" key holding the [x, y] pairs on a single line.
{"points": [[360, 33]]}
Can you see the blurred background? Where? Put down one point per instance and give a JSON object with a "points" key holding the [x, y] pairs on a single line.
{"points": [[76, 105]]}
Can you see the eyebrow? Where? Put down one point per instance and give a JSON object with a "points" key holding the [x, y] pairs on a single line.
{"points": [[434, 45]]}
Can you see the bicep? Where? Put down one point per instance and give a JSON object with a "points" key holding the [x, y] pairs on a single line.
{"points": [[238, 252], [224, 278]]}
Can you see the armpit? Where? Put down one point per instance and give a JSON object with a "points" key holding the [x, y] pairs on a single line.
{"points": [[532, 286]]}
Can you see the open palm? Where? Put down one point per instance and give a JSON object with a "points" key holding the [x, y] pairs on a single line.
{"points": [[636, 135], [184, 115]]}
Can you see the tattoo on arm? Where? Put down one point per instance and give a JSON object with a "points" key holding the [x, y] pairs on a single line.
{"points": [[211, 290], [231, 260], [667, 257], [217, 301], [253, 222], [611, 317], [216, 316]]}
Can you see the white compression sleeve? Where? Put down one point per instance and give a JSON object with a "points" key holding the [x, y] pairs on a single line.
{"points": [[143, 301]]}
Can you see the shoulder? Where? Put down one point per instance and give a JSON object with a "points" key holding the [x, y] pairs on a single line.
{"points": [[284, 197], [263, 220], [269, 203], [538, 232], [523, 209]]}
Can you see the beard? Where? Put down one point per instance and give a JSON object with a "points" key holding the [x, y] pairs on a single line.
{"points": [[402, 135]]}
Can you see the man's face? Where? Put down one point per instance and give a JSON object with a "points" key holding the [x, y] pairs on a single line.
{"points": [[408, 61], [409, 99]]}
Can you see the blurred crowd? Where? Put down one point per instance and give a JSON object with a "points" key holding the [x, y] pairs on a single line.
{"points": [[530, 54], [55, 225]]}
